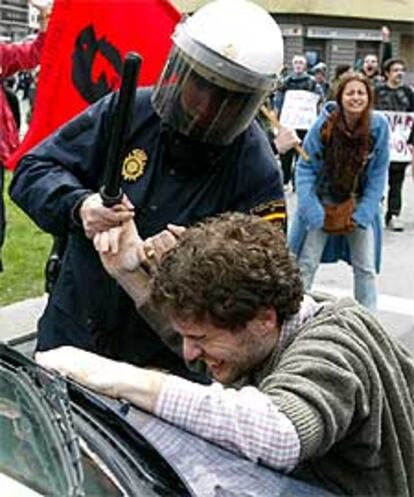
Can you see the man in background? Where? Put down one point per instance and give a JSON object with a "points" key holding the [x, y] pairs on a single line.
{"points": [[394, 95]]}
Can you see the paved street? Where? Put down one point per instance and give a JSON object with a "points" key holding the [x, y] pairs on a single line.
{"points": [[19, 319]]}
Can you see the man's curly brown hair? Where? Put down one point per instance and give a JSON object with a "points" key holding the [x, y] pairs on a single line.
{"points": [[225, 270]]}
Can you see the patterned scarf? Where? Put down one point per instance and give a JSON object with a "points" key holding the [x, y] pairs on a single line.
{"points": [[346, 154]]}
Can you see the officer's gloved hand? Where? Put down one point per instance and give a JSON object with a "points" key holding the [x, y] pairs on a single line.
{"points": [[97, 218]]}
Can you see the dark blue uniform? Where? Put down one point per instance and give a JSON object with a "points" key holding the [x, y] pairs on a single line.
{"points": [[87, 308]]}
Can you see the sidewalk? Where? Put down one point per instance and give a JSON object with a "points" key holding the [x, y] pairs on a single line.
{"points": [[19, 319]]}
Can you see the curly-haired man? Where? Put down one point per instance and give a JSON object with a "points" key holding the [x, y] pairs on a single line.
{"points": [[319, 389]]}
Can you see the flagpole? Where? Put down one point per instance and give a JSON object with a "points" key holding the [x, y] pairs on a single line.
{"points": [[111, 191]]}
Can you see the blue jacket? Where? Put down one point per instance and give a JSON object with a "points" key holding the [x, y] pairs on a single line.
{"points": [[309, 214], [87, 308]]}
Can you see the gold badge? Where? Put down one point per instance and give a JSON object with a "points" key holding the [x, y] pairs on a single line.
{"points": [[134, 165]]}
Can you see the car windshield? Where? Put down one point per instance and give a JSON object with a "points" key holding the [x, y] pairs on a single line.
{"points": [[45, 449], [28, 453]]}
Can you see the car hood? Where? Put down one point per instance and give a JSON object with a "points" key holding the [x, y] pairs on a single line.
{"points": [[208, 470], [205, 469]]}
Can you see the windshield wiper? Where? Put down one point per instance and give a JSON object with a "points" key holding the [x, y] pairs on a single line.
{"points": [[46, 395], [55, 393]]}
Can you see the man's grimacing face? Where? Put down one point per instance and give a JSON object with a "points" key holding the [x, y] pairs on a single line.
{"points": [[229, 354]]}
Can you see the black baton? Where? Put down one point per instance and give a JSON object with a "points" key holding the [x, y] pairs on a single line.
{"points": [[111, 191]]}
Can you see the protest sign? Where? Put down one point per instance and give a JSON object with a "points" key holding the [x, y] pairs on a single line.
{"points": [[299, 109], [401, 124]]}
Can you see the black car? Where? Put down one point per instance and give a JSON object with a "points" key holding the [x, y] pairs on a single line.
{"points": [[60, 439]]}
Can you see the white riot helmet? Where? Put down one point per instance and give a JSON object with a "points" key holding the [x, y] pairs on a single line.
{"points": [[224, 62]]}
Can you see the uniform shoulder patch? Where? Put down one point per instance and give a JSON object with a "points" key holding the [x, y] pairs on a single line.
{"points": [[273, 210]]}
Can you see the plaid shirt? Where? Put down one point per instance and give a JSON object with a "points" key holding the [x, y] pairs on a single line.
{"points": [[245, 420]]}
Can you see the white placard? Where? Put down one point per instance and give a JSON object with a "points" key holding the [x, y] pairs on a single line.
{"points": [[299, 109], [401, 124]]}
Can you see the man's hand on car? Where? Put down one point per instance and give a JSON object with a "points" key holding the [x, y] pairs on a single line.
{"points": [[105, 376]]}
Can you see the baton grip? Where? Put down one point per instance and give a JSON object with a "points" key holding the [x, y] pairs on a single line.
{"points": [[111, 190], [110, 200]]}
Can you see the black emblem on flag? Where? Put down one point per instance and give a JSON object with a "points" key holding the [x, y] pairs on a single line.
{"points": [[89, 52]]}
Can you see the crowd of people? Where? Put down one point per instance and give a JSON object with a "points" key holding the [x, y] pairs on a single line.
{"points": [[196, 272]]}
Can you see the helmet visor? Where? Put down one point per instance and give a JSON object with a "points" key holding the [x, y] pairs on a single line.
{"points": [[203, 104]]}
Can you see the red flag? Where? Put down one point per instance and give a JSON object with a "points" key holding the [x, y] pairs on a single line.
{"points": [[82, 58]]}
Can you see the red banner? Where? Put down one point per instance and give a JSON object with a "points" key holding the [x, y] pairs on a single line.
{"points": [[82, 58]]}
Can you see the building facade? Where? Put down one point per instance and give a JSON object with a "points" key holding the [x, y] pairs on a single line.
{"points": [[14, 19], [337, 31]]}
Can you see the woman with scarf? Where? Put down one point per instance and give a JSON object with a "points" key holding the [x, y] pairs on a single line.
{"points": [[348, 148]]}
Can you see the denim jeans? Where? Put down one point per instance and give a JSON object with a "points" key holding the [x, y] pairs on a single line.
{"points": [[362, 250]]}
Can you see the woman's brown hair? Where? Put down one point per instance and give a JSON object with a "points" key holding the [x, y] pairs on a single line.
{"points": [[346, 150]]}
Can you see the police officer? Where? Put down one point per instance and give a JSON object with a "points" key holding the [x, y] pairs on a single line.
{"points": [[193, 150]]}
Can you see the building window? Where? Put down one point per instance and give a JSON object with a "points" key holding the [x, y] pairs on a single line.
{"points": [[314, 51]]}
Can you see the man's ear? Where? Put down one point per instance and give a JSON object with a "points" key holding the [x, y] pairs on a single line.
{"points": [[265, 322]]}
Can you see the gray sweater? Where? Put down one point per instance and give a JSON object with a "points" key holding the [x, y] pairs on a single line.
{"points": [[349, 390]]}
